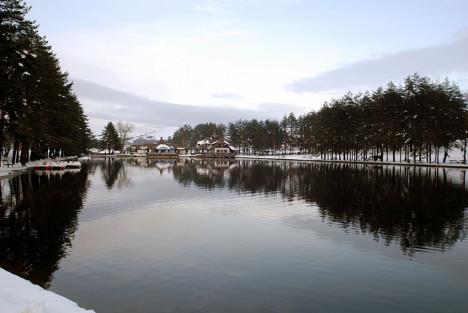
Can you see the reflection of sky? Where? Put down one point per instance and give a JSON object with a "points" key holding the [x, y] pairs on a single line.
{"points": [[179, 239], [151, 190], [221, 247], [155, 186]]}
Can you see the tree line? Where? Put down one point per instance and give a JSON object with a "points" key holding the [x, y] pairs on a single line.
{"points": [[418, 120], [187, 136], [39, 112]]}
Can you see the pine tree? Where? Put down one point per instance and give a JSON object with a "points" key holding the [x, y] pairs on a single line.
{"points": [[15, 46], [183, 136], [110, 139], [38, 109]]}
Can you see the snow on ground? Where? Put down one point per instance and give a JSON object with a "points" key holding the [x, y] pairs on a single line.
{"points": [[7, 171], [297, 157], [18, 295], [454, 161]]}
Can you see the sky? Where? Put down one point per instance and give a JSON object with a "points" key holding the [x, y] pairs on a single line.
{"points": [[162, 64]]}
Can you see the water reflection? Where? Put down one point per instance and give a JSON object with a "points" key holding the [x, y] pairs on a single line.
{"points": [[113, 171], [38, 218], [416, 207], [161, 165], [208, 174]]}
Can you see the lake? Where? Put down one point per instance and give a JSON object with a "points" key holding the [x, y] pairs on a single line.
{"points": [[241, 236]]}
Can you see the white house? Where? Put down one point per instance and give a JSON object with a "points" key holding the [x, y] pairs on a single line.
{"points": [[164, 148]]}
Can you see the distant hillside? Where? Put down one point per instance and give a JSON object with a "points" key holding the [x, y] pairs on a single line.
{"points": [[146, 138], [144, 141]]}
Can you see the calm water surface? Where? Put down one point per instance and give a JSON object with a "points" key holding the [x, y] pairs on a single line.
{"points": [[245, 236]]}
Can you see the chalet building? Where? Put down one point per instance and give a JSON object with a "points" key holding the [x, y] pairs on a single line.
{"points": [[215, 148], [140, 149], [201, 146], [164, 150], [182, 150]]}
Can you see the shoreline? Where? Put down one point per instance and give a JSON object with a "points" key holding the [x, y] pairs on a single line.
{"points": [[11, 172], [307, 158], [6, 172]]}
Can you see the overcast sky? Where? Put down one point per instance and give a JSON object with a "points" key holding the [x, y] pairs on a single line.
{"points": [[161, 64]]}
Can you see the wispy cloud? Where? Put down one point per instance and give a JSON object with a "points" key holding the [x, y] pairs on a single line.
{"points": [[227, 95], [209, 52], [107, 104], [450, 58]]}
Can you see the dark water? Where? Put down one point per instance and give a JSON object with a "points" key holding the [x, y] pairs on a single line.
{"points": [[260, 236]]}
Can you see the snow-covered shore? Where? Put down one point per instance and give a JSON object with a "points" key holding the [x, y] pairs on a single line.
{"points": [[18, 295], [311, 158], [8, 171]]}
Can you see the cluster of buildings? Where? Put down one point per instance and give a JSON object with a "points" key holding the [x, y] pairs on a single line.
{"points": [[218, 147]]}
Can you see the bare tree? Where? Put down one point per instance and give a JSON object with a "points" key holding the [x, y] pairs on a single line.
{"points": [[123, 129]]}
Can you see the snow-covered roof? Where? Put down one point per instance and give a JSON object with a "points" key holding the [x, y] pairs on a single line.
{"points": [[163, 147], [207, 141], [226, 143], [203, 142]]}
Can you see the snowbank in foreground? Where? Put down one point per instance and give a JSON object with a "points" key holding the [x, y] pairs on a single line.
{"points": [[18, 295]]}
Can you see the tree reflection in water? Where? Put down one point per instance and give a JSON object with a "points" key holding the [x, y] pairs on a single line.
{"points": [[114, 171], [417, 207], [38, 218]]}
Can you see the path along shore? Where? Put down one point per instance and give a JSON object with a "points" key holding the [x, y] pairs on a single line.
{"points": [[311, 158]]}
